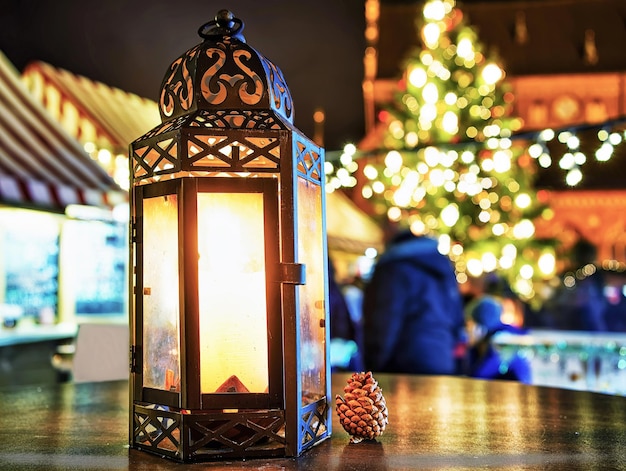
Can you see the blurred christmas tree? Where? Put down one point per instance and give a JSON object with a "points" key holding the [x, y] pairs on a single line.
{"points": [[451, 167]]}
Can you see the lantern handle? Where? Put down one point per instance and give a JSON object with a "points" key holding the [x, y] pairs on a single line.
{"points": [[224, 24]]}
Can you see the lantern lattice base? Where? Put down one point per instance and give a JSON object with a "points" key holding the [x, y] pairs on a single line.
{"points": [[192, 436]]}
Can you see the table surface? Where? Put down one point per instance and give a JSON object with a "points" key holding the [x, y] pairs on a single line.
{"points": [[434, 423]]}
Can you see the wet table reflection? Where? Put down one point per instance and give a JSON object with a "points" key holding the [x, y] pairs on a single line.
{"points": [[434, 423]]}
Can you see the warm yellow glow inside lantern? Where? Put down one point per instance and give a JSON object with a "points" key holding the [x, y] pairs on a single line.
{"points": [[232, 298], [231, 272], [161, 365]]}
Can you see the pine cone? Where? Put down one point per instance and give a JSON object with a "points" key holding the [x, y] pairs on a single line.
{"points": [[363, 411]]}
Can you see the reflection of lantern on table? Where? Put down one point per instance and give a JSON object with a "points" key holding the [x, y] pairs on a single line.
{"points": [[229, 354]]}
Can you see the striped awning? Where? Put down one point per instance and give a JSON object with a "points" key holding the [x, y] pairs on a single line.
{"points": [[40, 164], [118, 117]]}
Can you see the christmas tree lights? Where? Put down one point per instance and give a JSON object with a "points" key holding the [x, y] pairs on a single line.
{"points": [[455, 162], [448, 165]]}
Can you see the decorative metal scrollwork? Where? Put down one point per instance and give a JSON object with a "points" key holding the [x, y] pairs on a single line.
{"points": [[178, 86], [223, 72], [216, 83]]}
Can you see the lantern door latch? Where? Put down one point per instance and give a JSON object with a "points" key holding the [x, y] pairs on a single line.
{"points": [[133, 359], [292, 273]]}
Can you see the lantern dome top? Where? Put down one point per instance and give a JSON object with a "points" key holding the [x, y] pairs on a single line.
{"points": [[223, 73]]}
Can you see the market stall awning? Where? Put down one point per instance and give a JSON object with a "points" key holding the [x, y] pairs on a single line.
{"points": [[40, 164], [348, 228], [115, 117]]}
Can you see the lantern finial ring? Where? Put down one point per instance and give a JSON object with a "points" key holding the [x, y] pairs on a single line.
{"points": [[224, 24]]}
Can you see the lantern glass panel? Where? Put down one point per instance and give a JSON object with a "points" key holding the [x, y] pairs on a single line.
{"points": [[232, 297], [161, 327], [312, 294]]}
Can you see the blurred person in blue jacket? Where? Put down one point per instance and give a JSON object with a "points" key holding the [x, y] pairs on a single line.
{"points": [[412, 310], [484, 361]]}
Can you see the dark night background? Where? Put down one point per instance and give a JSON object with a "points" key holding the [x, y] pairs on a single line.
{"points": [[129, 44]]}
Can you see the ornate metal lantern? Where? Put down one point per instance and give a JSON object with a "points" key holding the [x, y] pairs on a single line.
{"points": [[229, 304]]}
